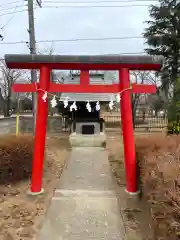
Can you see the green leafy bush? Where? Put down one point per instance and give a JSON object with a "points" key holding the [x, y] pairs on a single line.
{"points": [[174, 127], [174, 111]]}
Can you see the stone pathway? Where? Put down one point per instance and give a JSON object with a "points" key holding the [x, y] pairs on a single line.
{"points": [[84, 206]]}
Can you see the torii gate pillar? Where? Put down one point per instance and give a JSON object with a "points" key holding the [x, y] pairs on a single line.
{"points": [[128, 133], [40, 132], [84, 63]]}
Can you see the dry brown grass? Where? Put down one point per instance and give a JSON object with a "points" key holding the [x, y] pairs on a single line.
{"points": [[134, 212], [159, 164], [21, 216], [15, 158]]}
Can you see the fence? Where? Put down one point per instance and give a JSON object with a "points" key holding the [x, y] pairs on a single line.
{"points": [[147, 123], [112, 118], [56, 122]]}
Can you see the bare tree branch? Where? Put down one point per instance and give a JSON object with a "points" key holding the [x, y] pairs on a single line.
{"points": [[141, 77], [7, 78]]}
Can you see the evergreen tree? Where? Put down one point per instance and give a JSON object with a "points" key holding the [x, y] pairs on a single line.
{"points": [[163, 38]]}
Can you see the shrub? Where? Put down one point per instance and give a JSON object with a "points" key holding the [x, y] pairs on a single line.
{"points": [[174, 127], [15, 158], [174, 111], [158, 160]]}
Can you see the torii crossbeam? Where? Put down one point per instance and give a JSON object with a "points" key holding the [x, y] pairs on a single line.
{"points": [[84, 63]]}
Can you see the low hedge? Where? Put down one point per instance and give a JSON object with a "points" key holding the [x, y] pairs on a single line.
{"points": [[158, 159], [15, 158], [173, 127]]}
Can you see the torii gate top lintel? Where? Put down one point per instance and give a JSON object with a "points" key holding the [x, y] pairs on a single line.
{"points": [[84, 62]]}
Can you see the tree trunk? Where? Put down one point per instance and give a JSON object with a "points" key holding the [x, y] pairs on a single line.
{"points": [[1, 99], [6, 107], [135, 101], [156, 112], [174, 107], [134, 116]]}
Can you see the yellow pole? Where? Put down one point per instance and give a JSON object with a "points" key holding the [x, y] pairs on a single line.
{"points": [[17, 119], [17, 124]]}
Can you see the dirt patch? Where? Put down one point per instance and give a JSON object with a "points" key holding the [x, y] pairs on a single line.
{"points": [[21, 216], [133, 210]]}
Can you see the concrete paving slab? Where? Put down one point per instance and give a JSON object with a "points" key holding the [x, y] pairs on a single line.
{"points": [[84, 206], [88, 168], [82, 218]]}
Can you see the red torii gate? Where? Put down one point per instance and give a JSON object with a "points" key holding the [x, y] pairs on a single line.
{"points": [[84, 63]]}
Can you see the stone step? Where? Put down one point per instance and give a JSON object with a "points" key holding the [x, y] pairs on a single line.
{"points": [[90, 218], [82, 193], [94, 140]]}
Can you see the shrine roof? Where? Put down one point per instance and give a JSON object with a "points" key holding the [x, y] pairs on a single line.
{"points": [[93, 97], [91, 62]]}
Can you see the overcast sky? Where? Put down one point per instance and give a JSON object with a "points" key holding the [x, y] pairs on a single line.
{"points": [[70, 23]]}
